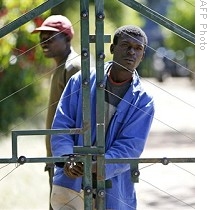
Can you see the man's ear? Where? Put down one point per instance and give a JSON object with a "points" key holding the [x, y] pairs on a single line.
{"points": [[111, 48], [68, 39], [142, 58]]}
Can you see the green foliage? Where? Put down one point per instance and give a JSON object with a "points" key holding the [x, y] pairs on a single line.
{"points": [[183, 14], [21, 62], [16, 95]]}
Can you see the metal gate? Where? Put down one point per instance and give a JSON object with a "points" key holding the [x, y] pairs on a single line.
{"points": [[85, 153]]}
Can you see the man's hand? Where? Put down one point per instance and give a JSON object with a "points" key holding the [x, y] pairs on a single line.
{"points": [[73, 170]]}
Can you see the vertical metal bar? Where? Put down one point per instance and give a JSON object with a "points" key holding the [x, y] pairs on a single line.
{"points": [[99, 49], [14, 145], [85, 65]]}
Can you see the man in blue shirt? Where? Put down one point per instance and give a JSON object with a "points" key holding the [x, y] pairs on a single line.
{"points": [[129, 112]]}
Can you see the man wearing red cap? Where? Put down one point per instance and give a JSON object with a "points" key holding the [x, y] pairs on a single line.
{"points": [[56, 33]]}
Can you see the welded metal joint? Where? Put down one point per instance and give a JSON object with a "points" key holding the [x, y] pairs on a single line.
{"points": [[165, 161], [84, 14], [135, 173], [101, 193], [100, 16], [88, 190], [101, 85], [21, 160], [85, 53], [71, 159], [85, 82], [101, 56]]}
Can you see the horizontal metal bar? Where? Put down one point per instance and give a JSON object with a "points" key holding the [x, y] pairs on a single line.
{"points": [[89, 150], [78, 157], [107, 38], [49, 131], [23, 159], [151, 160], [8, 160]]}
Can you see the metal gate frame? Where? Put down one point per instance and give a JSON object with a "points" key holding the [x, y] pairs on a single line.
{"points": [[85, 153]]}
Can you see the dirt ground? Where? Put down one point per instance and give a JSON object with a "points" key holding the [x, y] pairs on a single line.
{"points": [[160, 187]]}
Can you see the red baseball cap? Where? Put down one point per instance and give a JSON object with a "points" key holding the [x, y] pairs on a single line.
{"points": [[57, 23]]}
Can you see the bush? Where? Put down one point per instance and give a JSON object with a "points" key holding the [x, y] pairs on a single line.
{"points": [[17, 93]]}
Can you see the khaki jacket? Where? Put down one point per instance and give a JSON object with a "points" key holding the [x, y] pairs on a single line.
{"points": [[59, 79]]}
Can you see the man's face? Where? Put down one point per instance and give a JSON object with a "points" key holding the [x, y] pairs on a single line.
{"points": [[128, 52], [53, 43]]}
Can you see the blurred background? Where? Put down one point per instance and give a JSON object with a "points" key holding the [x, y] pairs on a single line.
{"points": [[168, 72], [21, 57]]}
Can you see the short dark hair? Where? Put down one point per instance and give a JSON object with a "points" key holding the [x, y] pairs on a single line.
{"points": [[130, 29]]}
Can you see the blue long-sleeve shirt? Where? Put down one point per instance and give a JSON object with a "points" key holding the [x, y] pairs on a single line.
{"points": [[125, 137]]}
